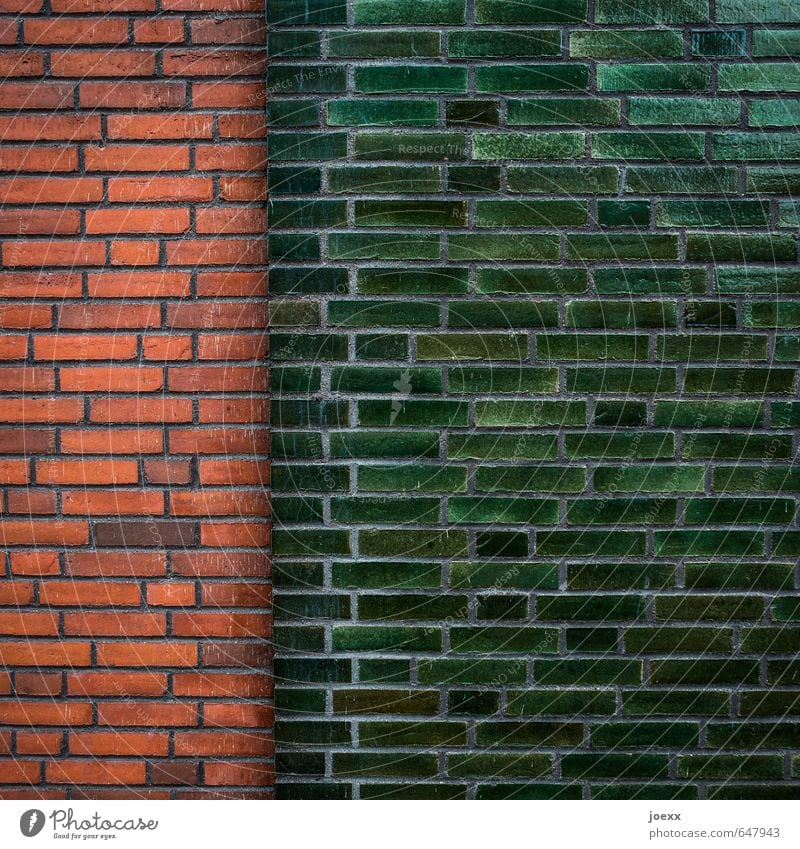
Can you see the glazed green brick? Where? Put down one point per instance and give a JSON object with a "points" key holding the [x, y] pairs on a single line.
{"points": [[373, 12], [289, 444], [411, 146], [355, 444], [299, 639], [587, 346], [660, 77], [623, 213], [708, 543], [469, 179], [293, 180], [764, 76], [743, 576], [787, 348], [598, 640], [777, 479], [676, 702], [293, 44], [497, 607], [426, 791], [649, 281], [649, 478], [543, 280], [383, 44], [521, 78], [740, 248], [471, 671], [770, 703], [416, 79], [501, 543], [412, 413], [410, 213], [650, 790], [588, 543], [389, 607], [422, 733], [444, 543], [296, 574], [648, 145], [616, 576], [560, 702], [315, 478], [772, 314], [730, 766], [609, 43], [739, 381], [737, 446], [295, 113], [582, 766], [377, 379], [686, 111], [785, 413], [534, 213], [288, 509], [608, 608], [530, 413], [476, 314], [529, 479], [311, 733], [631, 380], [382, 113], [306, 79], [732, 511], [314, 671], [777, 42], [622, 511], [357, 638], [678, 640], [422, 478], [699, 414], [289, 146], [581, 111], [299, 701], [302, 413], [681, 179], [480, 247], [314, 347], [782, 638], [368, 765], [788, 214], [384, 671], [384, 314], [292, 247], [295, 12], [532, 792], [295, 379], [307, 280], [786, 609], [476, 346], [503, 380], [753, 146], [363, 511], [478, 510], [472, 702], [477, 44], [699, 608], [502, 446], [393, 281], [504, 640], [714, 347], [783, 672], [310, 543], [512, 146], [528, 734], [619, 413], [773, 113], [529, 12], [527, 575], [632, 735], [719, 42], [657, 12], [294, 313], [380, 179], [629, 315], [386, 575], [616, 246], [703, 672], [562, 179], [383, 245], [604, 673], [500, 766], [751, 735], [717, 314]]}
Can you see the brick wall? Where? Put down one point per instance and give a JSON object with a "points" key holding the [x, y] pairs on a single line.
{"points": [[135, 584], [535, 294]]}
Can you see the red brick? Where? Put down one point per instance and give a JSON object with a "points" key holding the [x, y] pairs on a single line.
{"points": [[31, 159], [13, 532], [117, 316], [50, 189], [237, 715], [163, 31], [112, 379], [45, 713], [113, 503], [116, 683], [133, 157], [38, 222], [74, 31], [37, 254], [102, 63], [147, 654], [161, 410], [84, 472], [129, 744], [32, 501], [96, 772], [220, 93], [35, 563], [40, 742], [147, 713], [133, 220], [115, 624], [234, 472], [98, 346], [36, 95], [19, 772], [199, 743], [221, 685], [138, 284], [106, 441], [160, 127], [116, 564], [171, 594]]}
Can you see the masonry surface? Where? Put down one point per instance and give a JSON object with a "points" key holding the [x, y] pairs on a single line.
{"points": [[534, 279], [134, 599]]}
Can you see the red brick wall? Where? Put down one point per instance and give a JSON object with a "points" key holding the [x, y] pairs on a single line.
{"points": [[134, 592]]}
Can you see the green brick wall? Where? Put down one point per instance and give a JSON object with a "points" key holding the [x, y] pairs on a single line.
{"points": [[534, 370]]}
